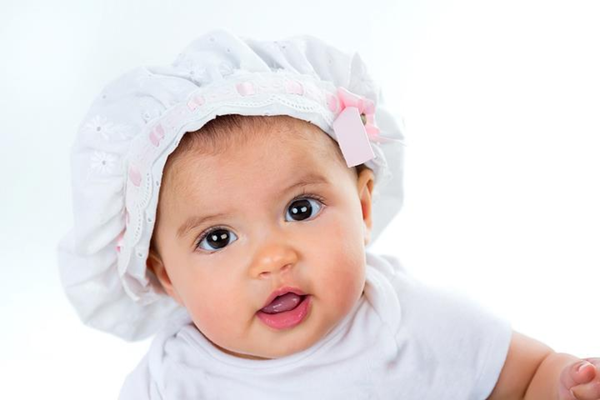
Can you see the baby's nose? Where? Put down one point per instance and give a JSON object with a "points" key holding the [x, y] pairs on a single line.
{"points": [[285, 268], [274, 257]]}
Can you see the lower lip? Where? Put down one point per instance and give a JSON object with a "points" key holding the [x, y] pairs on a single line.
{"points": [[286, 319]]}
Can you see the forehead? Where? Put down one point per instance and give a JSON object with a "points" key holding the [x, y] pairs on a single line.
{"points": [[270, 154]]}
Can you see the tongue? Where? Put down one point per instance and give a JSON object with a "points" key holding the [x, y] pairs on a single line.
{"points": [[283, 303]]}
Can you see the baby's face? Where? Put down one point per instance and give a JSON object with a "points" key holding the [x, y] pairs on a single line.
{"points": [[278, 213]]}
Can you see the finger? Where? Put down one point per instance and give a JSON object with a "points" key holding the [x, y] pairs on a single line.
{"points": [[587, 391], [578, 373], [595, 361]]}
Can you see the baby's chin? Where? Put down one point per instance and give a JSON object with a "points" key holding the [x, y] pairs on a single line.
{"points": [[260, 356], [241, 355], [271, 351]]}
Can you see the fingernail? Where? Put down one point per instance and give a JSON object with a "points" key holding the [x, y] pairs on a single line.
{"points": [[583, 365]]}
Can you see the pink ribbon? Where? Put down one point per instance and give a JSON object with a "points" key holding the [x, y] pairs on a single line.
{"points": [[353, 126]]}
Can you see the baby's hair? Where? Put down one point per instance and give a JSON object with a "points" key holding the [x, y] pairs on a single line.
{"points": [[219, 134], [222, 133]]}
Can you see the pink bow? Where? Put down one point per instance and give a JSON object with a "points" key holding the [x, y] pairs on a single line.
{"points": [[366, 109], [353, 126]]}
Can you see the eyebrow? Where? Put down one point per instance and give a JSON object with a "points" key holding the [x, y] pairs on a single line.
{"points": [[194, 221]]}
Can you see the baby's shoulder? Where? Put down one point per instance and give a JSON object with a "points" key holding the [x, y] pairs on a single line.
{"points": [[441, 327], [423, 306]]}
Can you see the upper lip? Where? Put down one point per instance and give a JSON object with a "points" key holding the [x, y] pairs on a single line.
{"points": [[282, 291]]}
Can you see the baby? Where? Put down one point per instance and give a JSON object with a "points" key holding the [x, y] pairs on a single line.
{"points": [[226, 203]]}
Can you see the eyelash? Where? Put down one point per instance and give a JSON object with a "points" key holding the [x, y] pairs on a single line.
{"points": [[303, 195]]}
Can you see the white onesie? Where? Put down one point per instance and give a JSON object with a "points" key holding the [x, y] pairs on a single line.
{"points": [[402, 340]]}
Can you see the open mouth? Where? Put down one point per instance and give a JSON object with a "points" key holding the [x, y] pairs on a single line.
{"points": [[285, 311], [286, 302]]}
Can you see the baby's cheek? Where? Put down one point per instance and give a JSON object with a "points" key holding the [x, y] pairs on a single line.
{"points": [[216, 315], [345, 281]]}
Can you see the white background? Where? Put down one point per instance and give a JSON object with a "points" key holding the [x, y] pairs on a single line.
{"points": [[502, 105]]}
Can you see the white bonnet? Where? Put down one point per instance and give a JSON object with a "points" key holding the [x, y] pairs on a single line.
{"points": [[138, 120]]}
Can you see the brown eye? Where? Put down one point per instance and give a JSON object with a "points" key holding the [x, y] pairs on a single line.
{"points": [[216, 239], [303, 209]]}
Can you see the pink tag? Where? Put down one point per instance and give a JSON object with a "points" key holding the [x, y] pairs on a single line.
{"points": [[352, 137]]}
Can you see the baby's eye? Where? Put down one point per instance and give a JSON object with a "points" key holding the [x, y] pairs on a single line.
{"points": [[304, 208], [216, 239]]}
